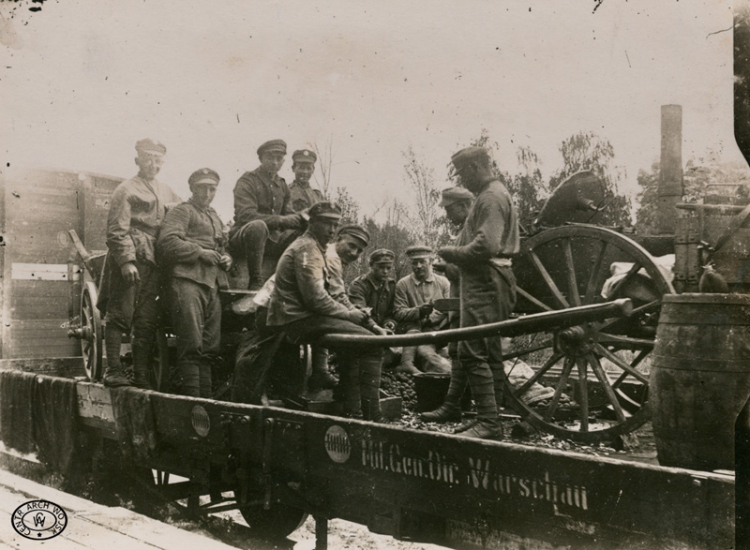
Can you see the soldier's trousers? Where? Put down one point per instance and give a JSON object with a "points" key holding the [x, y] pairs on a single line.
{"points": [[196, 320], [254, 241], [488, 295], [359, 367]]}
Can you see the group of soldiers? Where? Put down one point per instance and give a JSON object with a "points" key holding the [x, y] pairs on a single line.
{"points": [[182, 255]]}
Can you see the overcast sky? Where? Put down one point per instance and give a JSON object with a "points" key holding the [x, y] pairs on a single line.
{"points": [[82, 81]]}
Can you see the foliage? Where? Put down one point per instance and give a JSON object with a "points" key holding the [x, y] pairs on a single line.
{"points": [[349, 207], [322, 176], [425, 218]]}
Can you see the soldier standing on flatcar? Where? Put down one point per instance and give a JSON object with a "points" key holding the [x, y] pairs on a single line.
{"points": [[193, 245], [489, 238], [264, 220], [457, 202], [130, 287], [302, 307], [302, 195]]}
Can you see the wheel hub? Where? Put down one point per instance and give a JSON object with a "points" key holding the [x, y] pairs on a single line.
{"points": [[576, 341]]}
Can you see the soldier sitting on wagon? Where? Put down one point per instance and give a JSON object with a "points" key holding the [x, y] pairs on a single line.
{"points": [[414, 310], [264, 221], [303, 308], [303, 196], [192, 244], [130, 286]]}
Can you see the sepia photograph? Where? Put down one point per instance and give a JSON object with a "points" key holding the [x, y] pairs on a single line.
{"points": [[363, 275]]}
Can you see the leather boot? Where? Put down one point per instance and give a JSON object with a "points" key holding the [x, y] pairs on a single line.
{"points": [[114, 374], [369, 384], [141, 365], [407, 362], [447, 412], [484, 430], [321, 378]]}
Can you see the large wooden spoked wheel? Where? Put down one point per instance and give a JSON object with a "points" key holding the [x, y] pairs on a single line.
{"points": [[91, 332], [278, 522], [587, 383]]}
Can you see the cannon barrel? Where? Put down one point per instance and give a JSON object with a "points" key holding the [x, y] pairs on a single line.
{"points": [[512, 327]]}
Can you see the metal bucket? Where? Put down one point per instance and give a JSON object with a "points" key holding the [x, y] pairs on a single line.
{"points": [[700, 378]]}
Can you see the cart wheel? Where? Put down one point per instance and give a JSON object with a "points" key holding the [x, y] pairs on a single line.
{"points": [[91, 333], [278, 522], [587, 383]]}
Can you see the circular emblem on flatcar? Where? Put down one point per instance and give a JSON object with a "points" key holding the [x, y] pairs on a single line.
{"points": [[39, 520], [201, 422], [337, 444]]}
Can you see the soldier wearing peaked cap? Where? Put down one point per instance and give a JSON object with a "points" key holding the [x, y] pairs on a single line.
{"points": [[303, 196], [192, 246], [488, 240], [375, 290], [130, 287], [302, 306], [413, 309], [264, 221]]}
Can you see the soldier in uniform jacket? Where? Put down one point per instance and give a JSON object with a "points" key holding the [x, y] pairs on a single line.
{"points": [[302, 195]]}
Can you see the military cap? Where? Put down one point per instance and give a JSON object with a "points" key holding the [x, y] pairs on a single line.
{"points": [[150, 146], [382, 256], [273, 146], [204, 175], [304, 155], [469, 154], [455, 194], [325, 210], [356, 231], [419, 251]]}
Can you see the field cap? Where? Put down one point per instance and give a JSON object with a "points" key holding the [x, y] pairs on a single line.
{"points": [[382, 256], [273, 146], [453, 195], [469, 154], [304, 155], [357, 232], [325, 210], [419, 251], [150, 146], [204, 175]]}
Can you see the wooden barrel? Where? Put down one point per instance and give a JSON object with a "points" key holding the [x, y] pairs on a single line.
{"points": [[700, 378]]}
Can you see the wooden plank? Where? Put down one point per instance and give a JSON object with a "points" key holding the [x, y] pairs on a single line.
{"points": [[60, 366], [47, 288], [39, 272]]}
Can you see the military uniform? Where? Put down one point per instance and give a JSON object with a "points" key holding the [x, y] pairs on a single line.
{"points": [[264, 220], [303, 197], [364, 293], [194, 287]]}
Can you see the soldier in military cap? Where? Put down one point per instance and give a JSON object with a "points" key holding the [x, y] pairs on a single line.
{"points": [[456, 201], [264, 220], [192, 246], [302, 195], [488, 240], [375, 290], [302, 306], [130, 287], [413, 309]]}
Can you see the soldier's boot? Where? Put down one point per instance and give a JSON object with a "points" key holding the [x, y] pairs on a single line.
{"points": [[407, 362], [349, 390], [487, 425], [114, 374], [142, 357], [450, 410], [369, 383], [320, 378]]}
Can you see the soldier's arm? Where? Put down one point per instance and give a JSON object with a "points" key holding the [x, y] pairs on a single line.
{"points": [[357, 294], [246, 204], [119, 241], [490, 222], [308, 270], [173, 244]]}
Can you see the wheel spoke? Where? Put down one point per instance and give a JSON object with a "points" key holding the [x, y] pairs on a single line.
{"points": [[548, 280], [538, 374], [595, 274], [568, 366], [533, 300], [610, 356], [583, 386], [596, 366], [619, 285], [570, 267], [641, 355], [650, 307]]}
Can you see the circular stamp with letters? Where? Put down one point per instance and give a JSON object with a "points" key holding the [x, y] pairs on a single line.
{"points": [[39, 520], [337, 444]]}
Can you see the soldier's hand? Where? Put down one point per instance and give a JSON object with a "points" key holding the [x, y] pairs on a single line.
{"points": [[210, 257], [380, 331], [357, 316], [130, 273], [389, 325], [425, 310], [225, 262]]}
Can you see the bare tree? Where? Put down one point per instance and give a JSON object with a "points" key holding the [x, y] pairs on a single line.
{"points": [[421, 178], [325, 163]]}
